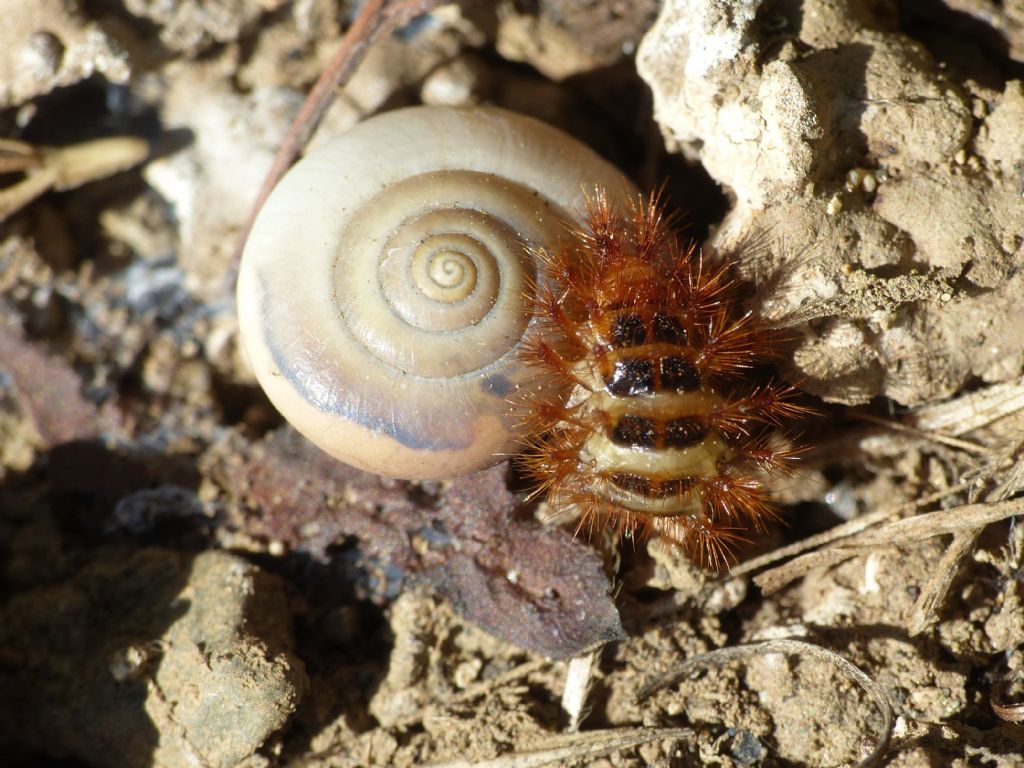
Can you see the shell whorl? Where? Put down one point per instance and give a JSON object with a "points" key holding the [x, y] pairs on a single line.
{"points": [[382, 292]]}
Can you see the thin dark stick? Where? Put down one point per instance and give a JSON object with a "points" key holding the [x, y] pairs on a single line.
{"points": [[375, 18]]}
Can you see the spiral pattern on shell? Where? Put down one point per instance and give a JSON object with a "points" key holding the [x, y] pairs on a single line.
{"points": [[383, 292]]}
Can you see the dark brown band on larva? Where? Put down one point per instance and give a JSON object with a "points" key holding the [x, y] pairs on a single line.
{"points": [[630, 377], [682, 433], [668, 330], [637, 431], [628, 330], [655, 489], [646, 432], [678, 374]]}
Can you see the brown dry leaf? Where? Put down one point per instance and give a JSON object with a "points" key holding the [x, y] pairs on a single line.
{"points": [[47, 389], [538, 588]]}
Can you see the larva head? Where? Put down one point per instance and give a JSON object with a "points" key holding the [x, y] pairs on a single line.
{"points": [[381, 295]]}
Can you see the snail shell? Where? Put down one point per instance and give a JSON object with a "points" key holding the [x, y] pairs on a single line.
{"points": [[382, 295]]}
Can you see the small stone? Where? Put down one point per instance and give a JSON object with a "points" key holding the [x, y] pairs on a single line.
{"points": [[227, 670], [454, 84], [159, 659], [467, 673], [41, 55], [746, 748], [48, 44], [128, 663], [276, 548]]}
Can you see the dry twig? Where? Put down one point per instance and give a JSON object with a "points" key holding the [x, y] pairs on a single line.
{"points": [[376, 18], [926, 608], [933, 595], [925, 434], [575, 746]]}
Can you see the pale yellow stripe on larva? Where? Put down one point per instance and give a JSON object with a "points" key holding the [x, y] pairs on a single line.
{"points": [[663, 406], [700, 460], [669, 506]]}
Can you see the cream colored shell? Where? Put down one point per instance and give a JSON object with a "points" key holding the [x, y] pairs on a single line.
{"points": [[382, 292]]}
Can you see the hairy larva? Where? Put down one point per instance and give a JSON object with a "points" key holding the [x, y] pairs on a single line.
{"points": [[660, 434]]}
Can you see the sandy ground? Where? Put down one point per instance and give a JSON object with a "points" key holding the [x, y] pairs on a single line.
{"points": [[185, 581]]}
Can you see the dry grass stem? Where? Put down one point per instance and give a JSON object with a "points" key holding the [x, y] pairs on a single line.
{"points": [[971, 411], [953, 520], [961, 416], [44, 168], [577, 746], [926, 608], [925, 434], [933, 595], [965, 517], [846, 530]]}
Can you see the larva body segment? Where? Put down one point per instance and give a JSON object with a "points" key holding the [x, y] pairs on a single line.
{"points": [[656, 437]]}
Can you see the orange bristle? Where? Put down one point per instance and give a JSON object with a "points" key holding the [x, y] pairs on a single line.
{"points": [[770, 404]]}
